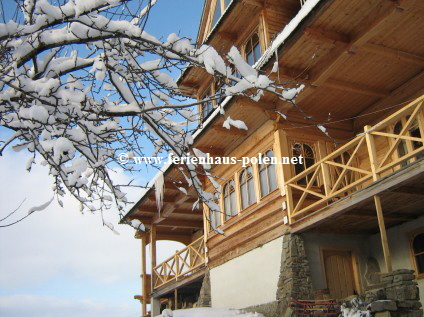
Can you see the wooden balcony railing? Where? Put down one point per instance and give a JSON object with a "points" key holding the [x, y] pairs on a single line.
{"points": [[180, 265], [379, 151]]}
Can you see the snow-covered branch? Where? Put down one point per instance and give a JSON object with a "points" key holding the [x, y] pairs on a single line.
{"points": [[80, 84]]}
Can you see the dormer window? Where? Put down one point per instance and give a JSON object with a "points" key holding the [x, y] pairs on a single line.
{"points": [[207, 106], [252, 49], [217, 9]]}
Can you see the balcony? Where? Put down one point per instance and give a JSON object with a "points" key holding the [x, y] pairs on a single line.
{"points": [[182, 266], [382, 158]]}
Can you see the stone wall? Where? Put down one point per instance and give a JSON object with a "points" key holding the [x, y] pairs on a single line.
{"points": [[204, 299], [295, 278], [398, 298]]}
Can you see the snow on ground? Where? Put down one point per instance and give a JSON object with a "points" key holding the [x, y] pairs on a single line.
{"points": [[207, 312]]}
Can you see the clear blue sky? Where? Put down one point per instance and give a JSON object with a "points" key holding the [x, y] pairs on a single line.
{"points": [[59, 262]]}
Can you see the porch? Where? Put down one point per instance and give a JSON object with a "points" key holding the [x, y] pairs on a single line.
{"points": [[380, 170]]}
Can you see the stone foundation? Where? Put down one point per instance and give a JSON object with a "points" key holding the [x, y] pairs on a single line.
{"points": [[272, 309], [295, 277], [398, 298], [205, 299]]}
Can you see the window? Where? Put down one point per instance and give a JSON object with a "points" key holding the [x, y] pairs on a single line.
{"points": [[267, 175], [218, 7], [207, 106], [247, 188], [252, 49], [220, 87], [230, 208], [401, 148], [217, 13], [215, 215], [307, 153], [418, 253], [405, 146]]}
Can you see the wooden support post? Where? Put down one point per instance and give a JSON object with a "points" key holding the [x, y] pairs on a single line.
{"points": [[284, 170], [383, 235], [279, 153], [176, 298], [153, 253], [205, 231], [143, 277]]}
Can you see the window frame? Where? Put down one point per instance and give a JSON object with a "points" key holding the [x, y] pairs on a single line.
{"points": [[407, 145], [271, 190], [256, 31], [206, 93], [232, 196], [217, 215], [412, 236], [211, 14], [253, 182], [313, 148]]}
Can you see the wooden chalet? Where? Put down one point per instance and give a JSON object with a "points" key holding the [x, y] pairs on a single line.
{"points": [[356, 201]]}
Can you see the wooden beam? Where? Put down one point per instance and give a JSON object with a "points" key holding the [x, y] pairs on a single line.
{"points": [[296, 74], [191, 224], [184, 239], [327, 35], [233, 131], [374, 23], [213, 151], [166, 199], [374, 217], [171, 206], [166, 289], [409, 190], [393, 54], [355, 88], [227, 36], [256, 3], [411, 87]]}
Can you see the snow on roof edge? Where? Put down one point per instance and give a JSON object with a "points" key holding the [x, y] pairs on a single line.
{"points": [[308, 6]]}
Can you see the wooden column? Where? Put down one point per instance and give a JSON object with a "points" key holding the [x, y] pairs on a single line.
{"points": [[205, 231], [153, 253], [143, 276], [282, 146], [383, 235], [176, 298]]}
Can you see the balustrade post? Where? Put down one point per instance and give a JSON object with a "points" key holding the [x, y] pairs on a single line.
{"points": [[177, 265], [289, 202], [326, 180]]}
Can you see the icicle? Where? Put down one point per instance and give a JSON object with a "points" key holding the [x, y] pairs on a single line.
{"points": [[159, 189]]}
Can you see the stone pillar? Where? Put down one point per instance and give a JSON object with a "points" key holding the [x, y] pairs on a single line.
{"points": [[402, 288], [154, 306], [205, 299], [295, 277]]}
